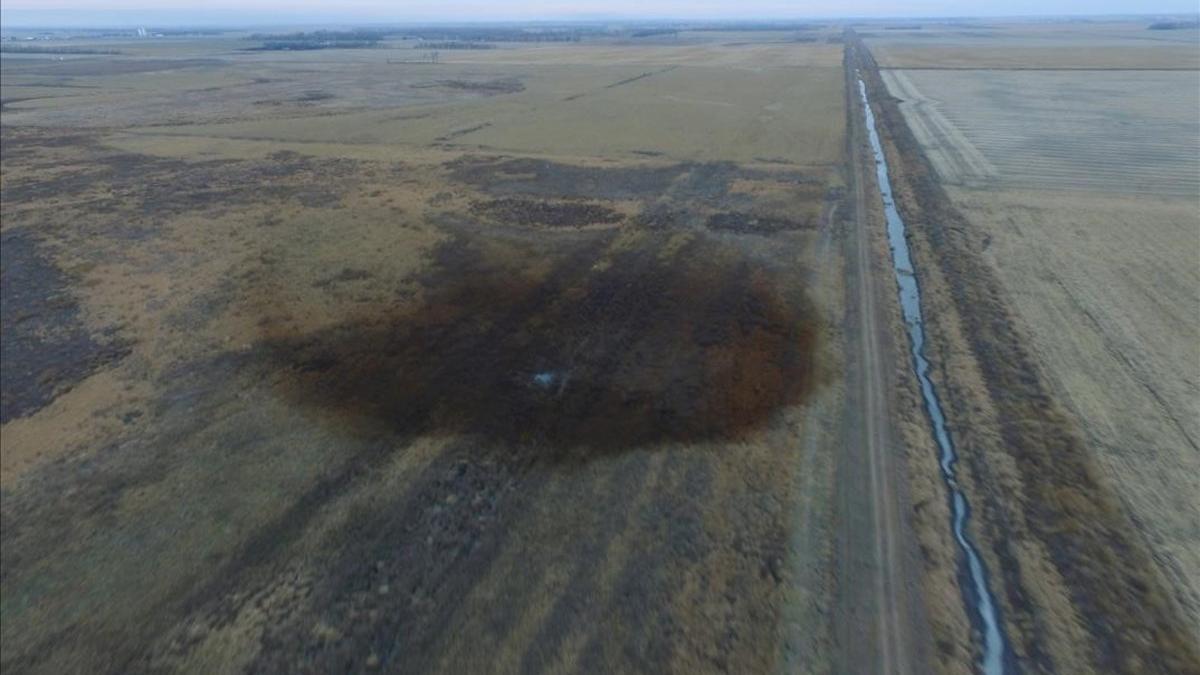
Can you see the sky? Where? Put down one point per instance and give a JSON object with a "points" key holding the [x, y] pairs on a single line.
{"points": [[227, 12]]}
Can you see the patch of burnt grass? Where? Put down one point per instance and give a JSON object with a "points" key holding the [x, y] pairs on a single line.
{"points": [[92, 67], [534, 212], [749, 223], [504, 85], [346, 275], [314, 95], [19, 142], [524, 176], [692, 185], [659, 217], [462, 132], [159, 186], [46, 348], [606, 351]]}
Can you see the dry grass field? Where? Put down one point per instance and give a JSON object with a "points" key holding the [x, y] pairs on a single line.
{"points": [[1050, 45], [639, 110], [530, 360], [1074, 156], [742, 102], [1108, 286], [1112, 131], [586, 356]]}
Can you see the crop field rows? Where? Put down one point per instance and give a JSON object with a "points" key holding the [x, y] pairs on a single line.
{"points": [[1109, 131]]}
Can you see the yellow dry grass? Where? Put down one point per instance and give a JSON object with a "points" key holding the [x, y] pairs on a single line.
{"points": [[1058, 129], [690, 113], [975, 55], [725, 55], [1109, 291], [1029, 45]]}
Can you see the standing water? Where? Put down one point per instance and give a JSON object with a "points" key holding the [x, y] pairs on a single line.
{"points": [[976, 594]]}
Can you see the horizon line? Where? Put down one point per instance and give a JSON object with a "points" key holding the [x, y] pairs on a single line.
{"points": [[257, 18]]}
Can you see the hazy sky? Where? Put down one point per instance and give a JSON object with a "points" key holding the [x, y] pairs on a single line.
{"points": [[77, 12]]}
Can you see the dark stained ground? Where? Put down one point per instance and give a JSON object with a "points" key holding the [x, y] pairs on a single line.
{"points": [[705, 345], [45, 349]]}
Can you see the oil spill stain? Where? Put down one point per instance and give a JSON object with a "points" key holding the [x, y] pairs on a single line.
{"points": [[607, 347]]}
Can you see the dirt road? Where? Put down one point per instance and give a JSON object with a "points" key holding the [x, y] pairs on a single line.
{"points": [[879, 591]]}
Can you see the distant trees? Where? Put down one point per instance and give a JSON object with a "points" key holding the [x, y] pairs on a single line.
{"points": [[433, 37], [1175, 25], [498, 33], [49, 49], [752, 26], [454, 44], [649, 32], [319, 39]]}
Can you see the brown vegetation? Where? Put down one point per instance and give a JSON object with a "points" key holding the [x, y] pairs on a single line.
{"points": [[531, 212]]}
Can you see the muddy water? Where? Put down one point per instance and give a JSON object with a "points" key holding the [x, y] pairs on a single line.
{"points": [[977, 595]]}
